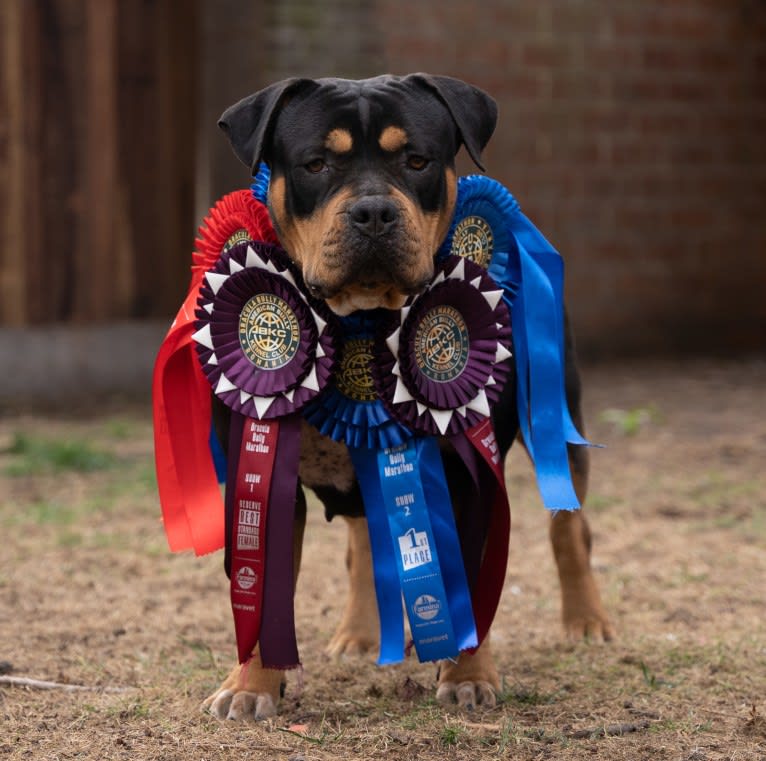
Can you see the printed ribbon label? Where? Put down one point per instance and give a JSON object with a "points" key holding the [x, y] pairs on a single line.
{"points": [[265, 351], [420, 575], [257, 450]]}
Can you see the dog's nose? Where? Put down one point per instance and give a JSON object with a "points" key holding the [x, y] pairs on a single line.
{"points": [[374, 216]]}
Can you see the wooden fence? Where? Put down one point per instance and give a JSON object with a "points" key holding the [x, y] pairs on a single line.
{"points": [[97, 162]]}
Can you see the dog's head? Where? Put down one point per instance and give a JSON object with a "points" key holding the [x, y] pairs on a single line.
{"points": [[363, 180]]}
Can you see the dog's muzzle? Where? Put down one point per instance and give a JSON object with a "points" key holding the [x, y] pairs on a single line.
{"points": [[369, 262]]}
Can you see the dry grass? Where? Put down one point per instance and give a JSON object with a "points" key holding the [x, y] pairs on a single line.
{"points": [[90, 595]]}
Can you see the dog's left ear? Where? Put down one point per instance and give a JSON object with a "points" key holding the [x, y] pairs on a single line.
{"points": [[474, 112], [247, 123]]}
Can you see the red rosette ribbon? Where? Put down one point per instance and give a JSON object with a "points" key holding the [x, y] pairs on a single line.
{"points": [[188, 487]]}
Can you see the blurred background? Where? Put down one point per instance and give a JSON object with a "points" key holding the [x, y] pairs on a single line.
{"points": [[632, 132]]}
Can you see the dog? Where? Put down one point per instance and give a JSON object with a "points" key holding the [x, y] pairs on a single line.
{"points": [[362, 193]]}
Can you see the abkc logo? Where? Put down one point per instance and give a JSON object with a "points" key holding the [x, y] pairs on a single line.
{"points": [[414, 549], [269, 334]]}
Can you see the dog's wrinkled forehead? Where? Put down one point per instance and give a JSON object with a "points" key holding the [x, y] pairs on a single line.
{"points": [[349, 117], [342, 113]]}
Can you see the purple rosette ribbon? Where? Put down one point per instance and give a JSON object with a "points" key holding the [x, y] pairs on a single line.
{"points": [[443, 367], [439, 371], [267, 350], [263, 346]]}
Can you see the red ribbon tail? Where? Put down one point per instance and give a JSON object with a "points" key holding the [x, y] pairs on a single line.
{"points": [[191, 502]]}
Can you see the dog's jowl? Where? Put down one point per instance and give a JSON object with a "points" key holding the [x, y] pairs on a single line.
{"points": [[362, 194]]}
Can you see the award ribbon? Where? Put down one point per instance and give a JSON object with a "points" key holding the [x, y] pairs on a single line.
{"points": [[435, 369], [350, 411], [441, 369], [410, 521], [265, 351], [392, 470], [187, 477], [489, 228]]}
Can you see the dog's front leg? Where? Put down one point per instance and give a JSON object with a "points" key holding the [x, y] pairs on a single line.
{"points": [[471, 680], [251, 691]]}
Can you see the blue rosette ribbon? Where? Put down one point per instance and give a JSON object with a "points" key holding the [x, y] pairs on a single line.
{"points": [[266, 350], [490, 229], [260, 185], [350, 410], [416, 553]]}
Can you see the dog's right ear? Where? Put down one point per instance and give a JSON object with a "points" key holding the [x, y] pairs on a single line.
{"points": [[247, 124]]}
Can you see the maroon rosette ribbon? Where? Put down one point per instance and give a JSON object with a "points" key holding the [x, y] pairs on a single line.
{"points": [[443, 367], [266, 351], [263, 346]]}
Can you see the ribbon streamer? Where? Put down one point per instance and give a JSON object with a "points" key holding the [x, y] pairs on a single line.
{"points": [[531, 274], [187, 479], [266, 351], [441, 370]]}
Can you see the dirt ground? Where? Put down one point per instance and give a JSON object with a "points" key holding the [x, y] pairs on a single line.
{"points": [[90, 595]]}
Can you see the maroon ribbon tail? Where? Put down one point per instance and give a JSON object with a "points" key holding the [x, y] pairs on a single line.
{"points": [[479, 451], [279, 648], [260, 509]]}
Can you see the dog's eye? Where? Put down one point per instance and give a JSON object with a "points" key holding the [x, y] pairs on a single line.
{"points": [[416, 162], [315, 166]]}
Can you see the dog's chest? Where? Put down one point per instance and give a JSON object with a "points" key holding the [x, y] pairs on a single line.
{"points": [[324, 462]]}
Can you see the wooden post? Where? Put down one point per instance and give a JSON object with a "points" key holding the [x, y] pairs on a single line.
{"points": [[16, 175]]}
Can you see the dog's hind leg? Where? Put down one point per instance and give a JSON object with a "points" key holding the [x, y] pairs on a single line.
{"points": [[251, 691], [358, 630], [583, 614]]}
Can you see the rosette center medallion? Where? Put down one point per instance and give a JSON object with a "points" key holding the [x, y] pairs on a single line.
{"points": [[354, 378], [473, 240], [441, 344], [269, 333]]}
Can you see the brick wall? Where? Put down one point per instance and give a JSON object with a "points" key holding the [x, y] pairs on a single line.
{"points": [[632, 132]]}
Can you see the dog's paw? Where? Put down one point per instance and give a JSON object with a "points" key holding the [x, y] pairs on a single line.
{"points": [[591, 626], [351, 640], [583, 614], [249, 693], [241, 706], [467, 695], [470, 681]]}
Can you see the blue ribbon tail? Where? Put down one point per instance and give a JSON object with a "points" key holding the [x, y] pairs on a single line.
{"points": [[417, 557], [218, 455], [387, 589], [447, 543], [538, 329]]}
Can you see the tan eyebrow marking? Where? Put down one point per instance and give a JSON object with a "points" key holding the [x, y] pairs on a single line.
{"points": [[392, 139], [339, 140]]}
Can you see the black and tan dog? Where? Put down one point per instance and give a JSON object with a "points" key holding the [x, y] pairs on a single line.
{"points": [[362, 193]]}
